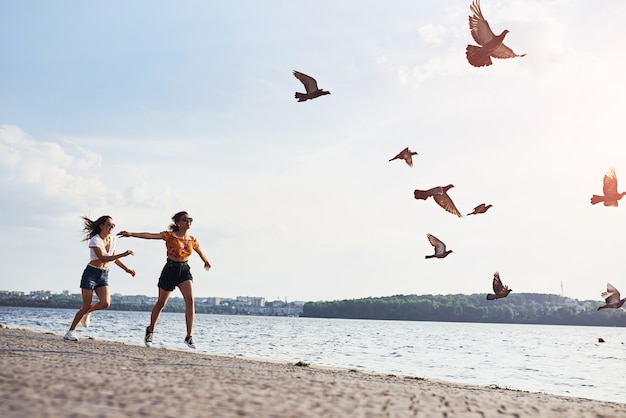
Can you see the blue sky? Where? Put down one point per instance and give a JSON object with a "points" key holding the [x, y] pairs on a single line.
{"points": [[139, 110]]}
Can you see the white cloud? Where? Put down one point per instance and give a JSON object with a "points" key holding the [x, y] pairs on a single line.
{"points": [[71, 176], [146, 194], [432, 34], [46, 169]]}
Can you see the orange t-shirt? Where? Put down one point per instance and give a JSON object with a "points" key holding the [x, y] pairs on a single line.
{"points": [[179, 248]]}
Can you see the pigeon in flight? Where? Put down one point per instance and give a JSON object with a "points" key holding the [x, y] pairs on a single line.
{"points": [[611, 298], [491, 45], [440, 195], [609, 188], [440, 247], [406, 155], [482, 208], [312, 91], [499, 290]]}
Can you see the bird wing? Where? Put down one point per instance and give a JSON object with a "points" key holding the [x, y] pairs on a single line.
{"points": [[309, 82], [400, 154], [503, 51], [611, 295], [445, 202], [409, 159], [497, 283], [610, 183], [481, 32], [440, 247]]}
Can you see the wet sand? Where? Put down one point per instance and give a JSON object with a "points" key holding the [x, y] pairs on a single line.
{"points": [[42, 375]]}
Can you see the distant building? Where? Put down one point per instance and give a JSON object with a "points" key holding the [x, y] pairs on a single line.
{"points": [[210, 301], [40, 294], [249, 301]]}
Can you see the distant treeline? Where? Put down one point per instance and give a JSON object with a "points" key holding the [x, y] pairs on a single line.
{"points": [[521, 308], [172, 306]]}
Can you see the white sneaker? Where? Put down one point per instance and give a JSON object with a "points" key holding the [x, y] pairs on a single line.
{"points": [[70, 335], [85, 320]]}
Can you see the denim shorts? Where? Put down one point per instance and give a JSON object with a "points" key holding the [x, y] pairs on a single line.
{"points": [[93, 278], [173, 274]]}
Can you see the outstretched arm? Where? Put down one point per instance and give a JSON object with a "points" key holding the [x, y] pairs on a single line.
{"points": [[207, 265], [126, 269], [144, 235], [106, 258]]}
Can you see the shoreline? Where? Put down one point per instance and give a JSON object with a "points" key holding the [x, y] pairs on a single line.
{"points": [[43, 375]]}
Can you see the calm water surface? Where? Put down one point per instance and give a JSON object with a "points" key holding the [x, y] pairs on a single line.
{"points": [[563, 360]]}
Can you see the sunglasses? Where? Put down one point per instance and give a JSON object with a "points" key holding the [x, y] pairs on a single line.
{"points": [[110, 225], [186, 220]]}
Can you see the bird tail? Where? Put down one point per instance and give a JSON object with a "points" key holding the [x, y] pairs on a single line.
{"points": [[421, 194], [491, 296], [476, 57], [596, 199], [300, 96]]}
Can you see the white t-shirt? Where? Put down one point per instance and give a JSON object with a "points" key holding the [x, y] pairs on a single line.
{"points": [[97, 241]]}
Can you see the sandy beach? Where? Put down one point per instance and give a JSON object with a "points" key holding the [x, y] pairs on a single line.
{"points": [[41, 375]]}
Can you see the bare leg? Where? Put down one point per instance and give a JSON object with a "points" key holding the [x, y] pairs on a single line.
{"points": [[88, 307], [87, 297], [186, 288], [164, 295], [104, 299]]}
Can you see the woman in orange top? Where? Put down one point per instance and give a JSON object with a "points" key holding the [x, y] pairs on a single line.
{"points": [[180, 245]]}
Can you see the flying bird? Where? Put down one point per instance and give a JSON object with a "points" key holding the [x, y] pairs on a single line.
{"points": [[611, 298], [500, 291], [312, 91], [482, 208], [609, 188], [491, 45], [406, 155], [440, 195], [440, 247]]}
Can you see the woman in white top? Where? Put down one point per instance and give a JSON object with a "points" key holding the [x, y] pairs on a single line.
{"points": [[96, 274]]}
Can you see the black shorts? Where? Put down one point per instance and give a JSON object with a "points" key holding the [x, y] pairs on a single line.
{"points": [[94, 277], [173, 274]]}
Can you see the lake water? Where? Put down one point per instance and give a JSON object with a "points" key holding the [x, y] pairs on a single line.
{"points": [[563, 360]]}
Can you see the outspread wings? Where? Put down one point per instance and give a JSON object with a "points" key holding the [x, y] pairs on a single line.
{"points": [[482, 33], [309, 82], [440, 247], [445, 202], [609, 186], [402, 153], [497, 283], [405, 155], [611, 295]]}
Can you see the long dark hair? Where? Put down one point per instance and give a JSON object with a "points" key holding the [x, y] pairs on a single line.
{"points": [[92, 228], [176, 218]]}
